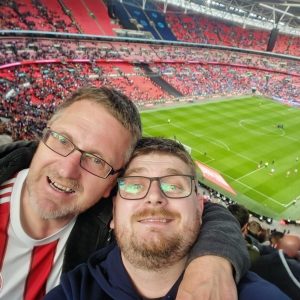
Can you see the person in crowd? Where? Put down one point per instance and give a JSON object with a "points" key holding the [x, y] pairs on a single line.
{"points": [[157, 215], [283, 270], [242, 215], [275, 237], [51, 216], [256, 234], [281, 266], [289, 243]]}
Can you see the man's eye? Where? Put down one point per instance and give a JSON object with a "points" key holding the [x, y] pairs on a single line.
{"points": [[98, 161], [132, 188], [60, 138], [94, 159], [63, 140], [167, 187]]}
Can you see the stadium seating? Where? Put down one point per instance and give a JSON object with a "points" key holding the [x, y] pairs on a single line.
{"points": [[91, 17], [202, 29], [191, 71]]}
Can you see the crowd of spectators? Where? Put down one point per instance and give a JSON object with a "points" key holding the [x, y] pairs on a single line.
{"points": [[17, 50], [39, 73], [30, 92], [56, 17], [212, 79], [35, 15], [202, 29], [287, 44], [275, 255]]}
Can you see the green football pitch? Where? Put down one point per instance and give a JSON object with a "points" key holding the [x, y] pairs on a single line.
{"points": [[241, 139]]}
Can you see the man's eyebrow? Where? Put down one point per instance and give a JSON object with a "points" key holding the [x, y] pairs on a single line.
{"points": [[134, 171], [168, 171], [172, 171]]}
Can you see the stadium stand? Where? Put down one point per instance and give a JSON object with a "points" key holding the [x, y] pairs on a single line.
{"points": [[201, 29], [92, 17], [191, 71], [84, 17]]}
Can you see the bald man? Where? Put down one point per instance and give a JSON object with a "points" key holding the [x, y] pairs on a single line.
{"points": [[290, 244], [282, 266]]}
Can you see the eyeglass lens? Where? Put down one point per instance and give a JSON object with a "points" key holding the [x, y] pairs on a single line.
{"points": [[63, 146], [173, 186]]}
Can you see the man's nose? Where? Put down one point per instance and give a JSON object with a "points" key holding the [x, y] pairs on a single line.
{"points": [[155, 195], [69, 166]]}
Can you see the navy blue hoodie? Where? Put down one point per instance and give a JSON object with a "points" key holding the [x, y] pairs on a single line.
{"points": [[105, 278]]}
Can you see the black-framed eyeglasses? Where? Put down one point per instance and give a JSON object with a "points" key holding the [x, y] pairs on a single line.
{"points": [[172, 186], [88, 161]]}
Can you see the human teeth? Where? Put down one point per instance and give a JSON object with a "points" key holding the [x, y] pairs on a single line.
{"points": [[60, 187], [157, 220]]}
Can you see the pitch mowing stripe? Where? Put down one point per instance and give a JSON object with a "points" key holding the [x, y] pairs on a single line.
{"points": [[217, 138]]}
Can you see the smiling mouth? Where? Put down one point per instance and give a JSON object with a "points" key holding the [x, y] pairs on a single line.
{"points": [[155, 220], [60, 188]]}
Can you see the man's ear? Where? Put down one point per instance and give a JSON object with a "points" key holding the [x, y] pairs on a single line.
{"points": [[200, 199], [245, 229], [112, 224]]}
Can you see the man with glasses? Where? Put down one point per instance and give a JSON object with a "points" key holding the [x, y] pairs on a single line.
{"points": [[157, 216], [51, 218]]}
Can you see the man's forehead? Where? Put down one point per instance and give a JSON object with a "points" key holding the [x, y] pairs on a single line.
{"points": [[149, 160], [157, 161], [156, 158]]}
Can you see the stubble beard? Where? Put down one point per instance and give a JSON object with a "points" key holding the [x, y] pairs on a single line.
{"points": [[67, 211], [159, 252]]}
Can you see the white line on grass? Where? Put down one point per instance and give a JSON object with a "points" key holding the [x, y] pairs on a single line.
{"points": [[248, 122], [202, 153], [262, 194], [291, 138], [283, 132], [157, 125], [220, 142], [293, 201], [250, 173], [209, 160], [213, 141], [217, 144]]}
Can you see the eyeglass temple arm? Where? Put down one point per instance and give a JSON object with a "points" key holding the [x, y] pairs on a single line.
{"points": [[113, 172]]}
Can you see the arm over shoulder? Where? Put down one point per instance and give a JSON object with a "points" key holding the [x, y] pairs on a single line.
{"points": [[221, 235]]}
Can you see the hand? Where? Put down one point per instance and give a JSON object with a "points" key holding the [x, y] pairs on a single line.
{"points": [[208, 278]]}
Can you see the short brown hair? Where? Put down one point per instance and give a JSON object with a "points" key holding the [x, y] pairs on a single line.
{"points": [[148, 145], [116, 103]]}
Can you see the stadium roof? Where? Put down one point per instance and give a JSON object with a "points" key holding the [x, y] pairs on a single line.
{"points": [[265, 14]]}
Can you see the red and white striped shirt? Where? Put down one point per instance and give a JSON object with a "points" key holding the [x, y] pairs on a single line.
{"points": [[29, 268]]}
